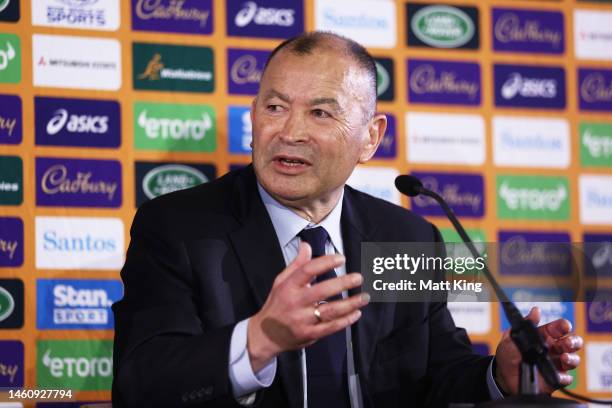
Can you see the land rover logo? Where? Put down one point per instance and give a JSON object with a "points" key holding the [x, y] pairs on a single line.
{"points": [[7, 304], [442, 26], [382, 79], [168, 178], [4, 4]]}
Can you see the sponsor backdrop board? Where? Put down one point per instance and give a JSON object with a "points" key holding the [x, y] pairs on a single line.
{"points": [[502, 107]]}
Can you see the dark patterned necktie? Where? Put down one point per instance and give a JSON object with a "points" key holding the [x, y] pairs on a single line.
{"points": [[326, 368]]}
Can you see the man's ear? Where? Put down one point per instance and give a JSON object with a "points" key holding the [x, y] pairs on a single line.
{"points": [[252, 114], [376, 132]]}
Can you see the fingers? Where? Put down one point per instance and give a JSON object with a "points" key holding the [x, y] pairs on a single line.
{"points": [[303, 256], [566, 361], [331, 287], [339, 308], [325, 328], [315, 267], [556, 329], [565, 378], [534, 315], [567, 344]]}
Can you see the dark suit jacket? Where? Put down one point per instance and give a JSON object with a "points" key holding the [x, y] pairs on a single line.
{"points": [[202, 259]]}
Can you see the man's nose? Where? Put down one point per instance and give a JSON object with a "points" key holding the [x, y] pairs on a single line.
{"points": [[295, 129]]}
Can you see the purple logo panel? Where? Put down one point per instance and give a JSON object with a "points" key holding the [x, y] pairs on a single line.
{"points": [[442, 82], [78, 183], [11, 125], [534, 253], [265, 18], [185, 16], [598, 252], [599, 311], [244, 70], [528, 31], [595, 89], [11, 241], [529, 86], [11, 362], [463, 192], [77, 122], [388, 146]]}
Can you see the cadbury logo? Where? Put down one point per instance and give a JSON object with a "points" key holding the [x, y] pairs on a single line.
{"points": [[600, 312], [508, 29], [518, 251], [424, 79], [55, 180], [244, 70], [153, 9], [9, 370], [8, 124], [451, 194], [8, 247], [595, 89]]}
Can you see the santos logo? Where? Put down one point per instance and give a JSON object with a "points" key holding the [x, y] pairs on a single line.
{"points": [[266, 16], [371, 23], [79, 243], [76, 304], [531, 142], [596, 199], [376, 181]]}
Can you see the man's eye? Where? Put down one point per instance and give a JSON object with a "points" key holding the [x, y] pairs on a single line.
{"points": [[320, 113], [274, 108]]}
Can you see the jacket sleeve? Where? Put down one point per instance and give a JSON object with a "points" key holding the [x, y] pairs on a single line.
{"points": [[163, 356]]}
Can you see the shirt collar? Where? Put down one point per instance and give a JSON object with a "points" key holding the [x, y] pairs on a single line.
{"points": [[288, 224]]}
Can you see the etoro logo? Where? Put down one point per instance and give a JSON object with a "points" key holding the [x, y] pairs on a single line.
{"points": [[533, 197], [10, 58], [596, 144], [174, 127], [79, 364]]}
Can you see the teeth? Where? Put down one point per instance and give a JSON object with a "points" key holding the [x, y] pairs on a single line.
{"points": [[292, 162]]}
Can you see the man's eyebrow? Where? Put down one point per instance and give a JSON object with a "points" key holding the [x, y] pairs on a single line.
{"points": [[275, 94], [324, 101]]}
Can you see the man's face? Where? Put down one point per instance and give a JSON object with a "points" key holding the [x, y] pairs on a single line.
{"points": [[309, 125]]}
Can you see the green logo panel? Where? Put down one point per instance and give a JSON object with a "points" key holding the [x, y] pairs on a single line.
{"points": [[457, 249], [173, 68], [172, 127], [533, 197], [596, 144], [74, 364], [10, 58], [11, 180]]}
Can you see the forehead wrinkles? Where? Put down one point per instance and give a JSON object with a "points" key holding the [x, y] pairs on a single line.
{"points": [[317, 75]]}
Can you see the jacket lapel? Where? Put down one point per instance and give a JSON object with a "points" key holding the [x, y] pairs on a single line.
{"points": [[355, 230], [261, 258]]}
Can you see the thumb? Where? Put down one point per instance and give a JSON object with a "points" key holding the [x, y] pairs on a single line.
{"points": [[534, 315], [304, 255]]}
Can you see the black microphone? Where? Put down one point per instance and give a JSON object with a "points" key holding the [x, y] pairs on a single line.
{"points": [[524, 333]]}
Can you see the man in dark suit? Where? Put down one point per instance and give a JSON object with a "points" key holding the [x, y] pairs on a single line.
{"points": [[226, 305]]}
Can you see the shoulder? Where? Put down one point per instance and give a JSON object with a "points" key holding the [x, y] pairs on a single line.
{"points": [[391, 221], [194, 209]]}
